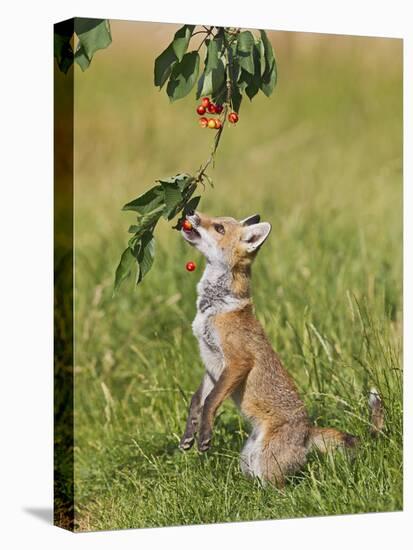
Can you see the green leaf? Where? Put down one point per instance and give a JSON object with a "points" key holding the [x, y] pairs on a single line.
{"points": [[242, 81], [133, 229], [187, 194], [181, 40], [134, 243], [200, 85], [251, 83], [181, 179], [233, 63], [256, 79], [148, 201], [168, 199], [269, 78], [65, 58], [144, 223], [63, 51], [82, 59], [219, 96], [183, 77], [213, 77], [188, 205], [184, 180], [146, 255], [247, 63], [245, 42], [245, 46], [138, 273], [173, 198], [93, 34], [163, 66], [192, 203], [211, 56], [213, 81], [259, 47], [236, 98], [127, 261], [149, 220], [176, 194], [253, 88]]}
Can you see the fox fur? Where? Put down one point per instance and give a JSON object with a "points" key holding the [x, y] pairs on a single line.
{"points": [[240, 361]]}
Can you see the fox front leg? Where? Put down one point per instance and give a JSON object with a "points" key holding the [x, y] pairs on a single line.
{"points": [[225, 385], [194, 413]]}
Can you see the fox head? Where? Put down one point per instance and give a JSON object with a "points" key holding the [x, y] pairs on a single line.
{"points": [[225, 241]]}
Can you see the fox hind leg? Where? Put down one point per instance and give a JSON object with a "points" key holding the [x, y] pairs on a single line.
{"points": [[250, 460], [271, 454], [284, 451]]}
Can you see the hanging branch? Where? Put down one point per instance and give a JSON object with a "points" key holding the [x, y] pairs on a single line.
{"points": [[236, 63]]}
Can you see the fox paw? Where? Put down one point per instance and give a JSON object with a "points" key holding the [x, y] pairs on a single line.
{"points": [[186, 442], [204, 444]]}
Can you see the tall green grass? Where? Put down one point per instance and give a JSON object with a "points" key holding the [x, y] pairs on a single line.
{"points": [[321, 160]]}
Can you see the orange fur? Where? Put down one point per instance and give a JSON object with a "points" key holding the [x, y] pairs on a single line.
{"points": [[251, 370]]}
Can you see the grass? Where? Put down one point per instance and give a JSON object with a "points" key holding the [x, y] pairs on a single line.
{"points": [[321, 160]]}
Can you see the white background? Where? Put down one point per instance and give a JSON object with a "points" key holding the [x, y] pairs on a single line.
{"points": [[26, 235]]}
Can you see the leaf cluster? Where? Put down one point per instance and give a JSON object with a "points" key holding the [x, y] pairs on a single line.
{"points": [[236, 63], [166, 199], [78, 39]]}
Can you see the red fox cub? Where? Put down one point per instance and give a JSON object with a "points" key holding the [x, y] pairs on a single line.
{"points": [[239, 359]]}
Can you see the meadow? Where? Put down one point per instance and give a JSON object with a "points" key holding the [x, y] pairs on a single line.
{"points": [[322, 161]]}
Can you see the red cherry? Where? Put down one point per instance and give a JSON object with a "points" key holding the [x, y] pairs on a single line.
{"points": [[186, 225], [233, 118], [211, 108], [205, 102], [200, 110], [190, 266], [212, 123], [219, 109], [218, 123], [203, 122]]}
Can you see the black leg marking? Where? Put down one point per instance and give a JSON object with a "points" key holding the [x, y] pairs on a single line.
{"points": [[194, 414]]}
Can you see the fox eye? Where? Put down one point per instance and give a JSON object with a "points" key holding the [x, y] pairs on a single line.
{"points": [[220, 228]]}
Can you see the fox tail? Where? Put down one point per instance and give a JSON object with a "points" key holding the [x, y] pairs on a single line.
{"points": [[376, 412], [328, 439]]}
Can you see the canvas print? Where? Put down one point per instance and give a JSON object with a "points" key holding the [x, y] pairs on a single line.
{"points": [[228, 274]]}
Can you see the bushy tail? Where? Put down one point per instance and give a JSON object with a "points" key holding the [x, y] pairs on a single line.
{"points": [[328, 439], [376, 412]]}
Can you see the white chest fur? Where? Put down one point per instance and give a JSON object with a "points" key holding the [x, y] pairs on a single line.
{"points": [[214, 297], [209, 345]]}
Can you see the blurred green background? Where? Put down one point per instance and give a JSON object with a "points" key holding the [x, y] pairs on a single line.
{"points": [[322, 161]]}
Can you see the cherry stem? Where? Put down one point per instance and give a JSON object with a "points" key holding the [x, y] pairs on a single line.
{"points": [[199, 32], [202, 170], [208, 33]]}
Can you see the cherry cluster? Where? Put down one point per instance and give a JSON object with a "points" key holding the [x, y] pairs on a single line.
{"points": [[207, 106]]}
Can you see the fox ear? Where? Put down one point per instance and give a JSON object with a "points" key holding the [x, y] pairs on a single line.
{"points": [[255, 235], [251, 220]]}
